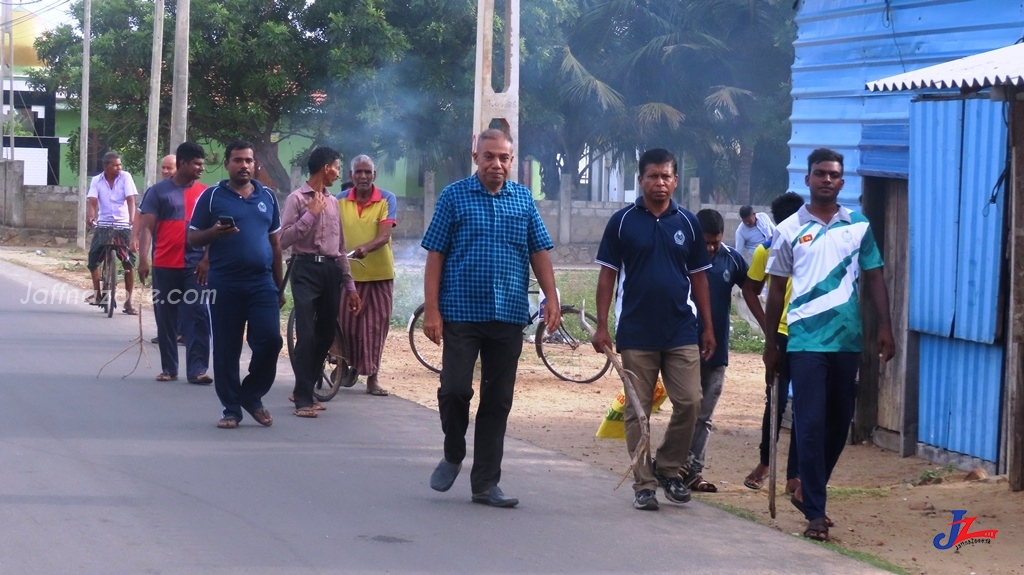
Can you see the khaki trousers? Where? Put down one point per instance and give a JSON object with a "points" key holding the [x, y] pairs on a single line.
{"points": [[680, 372]]}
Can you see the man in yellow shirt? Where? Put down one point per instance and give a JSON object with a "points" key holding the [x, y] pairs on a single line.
{"points": [[782, 207], [368, 214]]}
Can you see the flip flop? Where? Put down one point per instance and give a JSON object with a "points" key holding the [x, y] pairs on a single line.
{"points": [[166, 377], [201, 379], [379, 392], [754, 482], [800, 507], [261, 415], [130, 311], [699, 484], [227, 423], [316, 404], [307, 412]]}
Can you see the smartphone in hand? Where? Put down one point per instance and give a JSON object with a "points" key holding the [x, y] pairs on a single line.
{"points": [[226, 221]]}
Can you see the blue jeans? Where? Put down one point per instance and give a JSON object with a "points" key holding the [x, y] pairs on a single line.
{"points": [[712, 379], [231, 309], [180, 307], [824, 396]]}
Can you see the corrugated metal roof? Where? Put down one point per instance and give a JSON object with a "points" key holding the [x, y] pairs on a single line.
{"points": [[1001, 67]]}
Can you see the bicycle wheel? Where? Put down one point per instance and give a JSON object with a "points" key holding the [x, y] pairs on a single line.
{"points": [[110, 279], [568, 352], [426, 351], [336, 372], [290, 339]]}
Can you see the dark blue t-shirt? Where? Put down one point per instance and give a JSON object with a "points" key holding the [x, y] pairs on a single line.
{"points": [[243, 258], [728, 269], [654, 257]]}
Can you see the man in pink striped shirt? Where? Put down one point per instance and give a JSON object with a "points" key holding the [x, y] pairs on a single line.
{"points": [[311, 227]]}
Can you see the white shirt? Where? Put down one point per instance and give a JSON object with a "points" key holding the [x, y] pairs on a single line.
{"points": [[748, 238], [113, 207]]}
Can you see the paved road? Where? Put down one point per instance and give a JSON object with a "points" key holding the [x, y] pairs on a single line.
{"points": [[109, 474]]}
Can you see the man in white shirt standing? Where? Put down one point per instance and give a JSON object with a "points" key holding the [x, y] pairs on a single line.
{"points": [[754, 230], [111, 210]]}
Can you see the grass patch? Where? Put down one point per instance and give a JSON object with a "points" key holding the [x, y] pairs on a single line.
{"points": [[856, 555], [742, 339], [866, 558], [738, 512], [852, 492], [931, 476]]}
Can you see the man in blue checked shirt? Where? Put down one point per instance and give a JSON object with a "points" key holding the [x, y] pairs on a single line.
{"points": [[484, 237]]}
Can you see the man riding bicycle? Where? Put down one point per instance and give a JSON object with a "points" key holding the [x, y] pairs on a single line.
{"points": [[111, 210]]}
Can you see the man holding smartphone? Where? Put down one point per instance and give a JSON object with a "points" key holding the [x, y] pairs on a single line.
{"points": [[239, 220], [311, 227]]}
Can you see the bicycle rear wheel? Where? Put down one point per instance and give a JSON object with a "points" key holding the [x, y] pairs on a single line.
{"points": [[568, 352], [335, 373], [426, 351], [110, 280]]}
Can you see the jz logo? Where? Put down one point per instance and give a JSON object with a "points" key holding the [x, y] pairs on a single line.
{"points": [[960, 533]]}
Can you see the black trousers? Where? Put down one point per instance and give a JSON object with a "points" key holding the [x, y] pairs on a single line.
{"points": [[316, 293], [793, 461], [498, 345]]}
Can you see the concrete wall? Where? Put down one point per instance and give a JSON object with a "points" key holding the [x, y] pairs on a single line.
{"points": [[55, 209]]}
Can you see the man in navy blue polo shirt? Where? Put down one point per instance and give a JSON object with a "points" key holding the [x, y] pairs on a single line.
{"points": [[239, 220], [653, 252], [484, 237], [728, 269]]}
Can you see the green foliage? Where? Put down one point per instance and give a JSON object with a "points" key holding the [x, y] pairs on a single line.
{"points": [[742, 339]]}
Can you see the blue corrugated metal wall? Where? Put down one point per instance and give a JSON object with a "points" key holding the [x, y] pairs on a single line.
{"points": [[981, 222], [934, 202], [959, 396], [842, 44], [957, 152]]}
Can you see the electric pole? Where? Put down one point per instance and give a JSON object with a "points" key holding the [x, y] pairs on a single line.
{"points": [[155, 66], [179, 92], [83, 130]]}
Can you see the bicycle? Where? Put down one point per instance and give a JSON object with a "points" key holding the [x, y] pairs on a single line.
{"points": [[336, 371], [114, 247], [567, 353]]}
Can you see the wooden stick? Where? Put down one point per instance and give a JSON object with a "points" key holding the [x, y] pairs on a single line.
{"points": [[773, 447], [641, 456]]}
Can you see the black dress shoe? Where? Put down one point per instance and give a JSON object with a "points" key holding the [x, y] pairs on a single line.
{"points": [[495, 498], [444, 475]]}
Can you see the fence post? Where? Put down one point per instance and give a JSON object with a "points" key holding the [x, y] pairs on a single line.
{"points": [[694, 195], [566, 184], [429, 200]]}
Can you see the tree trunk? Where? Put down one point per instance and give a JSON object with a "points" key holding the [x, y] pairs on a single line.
{"points": [[271, 171], [746, 165]]}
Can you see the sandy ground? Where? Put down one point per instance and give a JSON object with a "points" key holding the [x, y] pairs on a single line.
{"points": [[877, 499]]}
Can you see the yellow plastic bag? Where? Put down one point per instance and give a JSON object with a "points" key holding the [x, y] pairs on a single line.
{"points": [[613, 426]]}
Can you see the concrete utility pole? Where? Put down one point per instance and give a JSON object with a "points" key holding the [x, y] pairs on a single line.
{"points": [[83, 130], [489, 105], [179, 93], [8, 72], [155, 66]]}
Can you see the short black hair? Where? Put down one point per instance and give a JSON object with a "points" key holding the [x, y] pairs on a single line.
{"points": [[786, 205], [711, 222], [188, 151], [746, 212], [823, 155], [320, 157], [237, 145], [657, 157]]}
